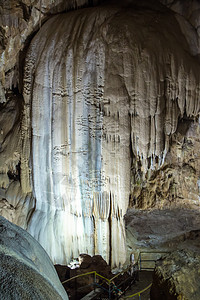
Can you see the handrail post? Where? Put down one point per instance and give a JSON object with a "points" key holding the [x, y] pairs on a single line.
{"points": [[109, 291], [76, 284], [95, 280]]}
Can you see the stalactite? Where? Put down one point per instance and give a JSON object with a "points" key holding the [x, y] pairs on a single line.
{"points": [[89, 85]]}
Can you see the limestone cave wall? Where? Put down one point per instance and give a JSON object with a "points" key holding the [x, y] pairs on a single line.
{"points": [[99, 112]]}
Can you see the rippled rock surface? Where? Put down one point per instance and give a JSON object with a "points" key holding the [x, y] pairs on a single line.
{"points": [[99, 92], [107, 92]]}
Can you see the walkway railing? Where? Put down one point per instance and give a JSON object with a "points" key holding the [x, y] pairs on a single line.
{"points": [[108, 285], [147, 259], [138, 293]]}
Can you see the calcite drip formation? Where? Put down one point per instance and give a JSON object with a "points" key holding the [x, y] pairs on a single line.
{"points": [[107, 86], [104, 91]]}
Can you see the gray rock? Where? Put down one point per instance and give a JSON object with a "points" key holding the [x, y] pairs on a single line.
{"points": [[26, 271]]}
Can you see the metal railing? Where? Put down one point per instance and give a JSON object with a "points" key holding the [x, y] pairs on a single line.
{"points": [[139, 293], [152, 257], [108, 285]]}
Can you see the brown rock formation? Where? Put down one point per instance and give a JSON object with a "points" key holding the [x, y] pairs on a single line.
{"points": [[176, 276]]}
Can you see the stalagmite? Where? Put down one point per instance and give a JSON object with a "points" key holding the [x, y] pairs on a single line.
{"points": [[98, 83]]}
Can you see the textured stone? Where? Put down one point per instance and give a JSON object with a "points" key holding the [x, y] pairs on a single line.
{"points": [[18, 20], [162, 230], [176, 183], [176, 276], [102, 108], [87, 99], [26, 271]]}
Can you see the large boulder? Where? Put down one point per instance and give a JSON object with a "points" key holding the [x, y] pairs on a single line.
{"points": [[26, 271], [176, 276]]}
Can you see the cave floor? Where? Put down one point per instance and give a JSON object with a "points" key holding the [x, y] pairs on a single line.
{"points": [[145, 278]]}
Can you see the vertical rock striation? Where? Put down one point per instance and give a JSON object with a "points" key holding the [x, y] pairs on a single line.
{"points": [[78, 179], [106, 85]]}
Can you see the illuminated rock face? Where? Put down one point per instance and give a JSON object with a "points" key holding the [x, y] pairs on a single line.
{"points": [[100, 88], [80, 142]]}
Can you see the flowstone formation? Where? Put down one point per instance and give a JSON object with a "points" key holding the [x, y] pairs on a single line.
{"points": [[104, 91]]}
